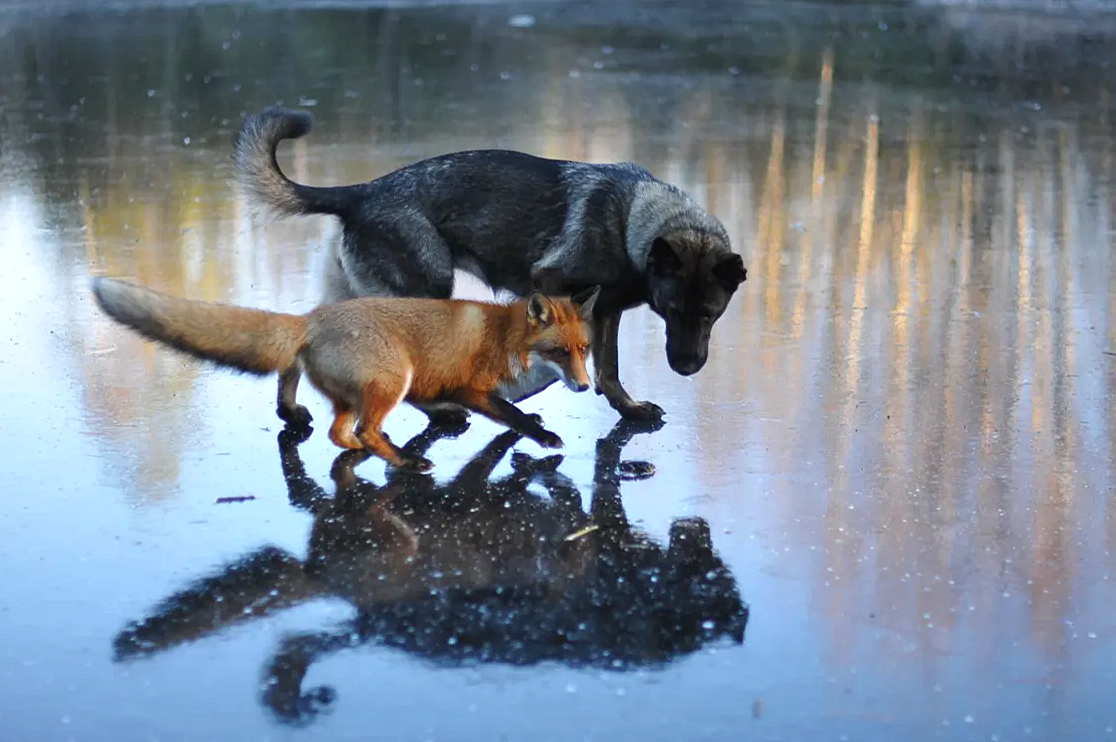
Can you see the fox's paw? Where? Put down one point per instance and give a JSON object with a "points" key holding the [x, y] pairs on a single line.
{"points": [[546, 439], [297, 416], [294, 435], [535, 418]]}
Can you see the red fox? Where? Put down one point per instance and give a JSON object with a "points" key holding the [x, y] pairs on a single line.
{"points": [[368, 355]]}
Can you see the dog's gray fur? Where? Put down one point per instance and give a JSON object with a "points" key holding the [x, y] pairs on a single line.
{"points": [[517, 222]]}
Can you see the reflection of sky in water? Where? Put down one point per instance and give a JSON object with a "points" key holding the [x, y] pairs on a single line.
{"points": [[902, 440]]}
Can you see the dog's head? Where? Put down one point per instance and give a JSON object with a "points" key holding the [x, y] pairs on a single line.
{"points": [[692, 277]]}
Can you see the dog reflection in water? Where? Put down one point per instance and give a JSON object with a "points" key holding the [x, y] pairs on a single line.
{"points": [[476, 569]]}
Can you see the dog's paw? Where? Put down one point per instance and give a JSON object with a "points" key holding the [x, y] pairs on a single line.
{"points": [[449, 419], [549, 463], [416, 463], [641, 411], [635, 470], [450, 427], [626, 428], [546, 439], [297, 416], [521, 461]]}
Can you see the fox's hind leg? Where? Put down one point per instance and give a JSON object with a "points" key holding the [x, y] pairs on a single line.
{"points": [[341, 432], [286, 407], [380, 398]]}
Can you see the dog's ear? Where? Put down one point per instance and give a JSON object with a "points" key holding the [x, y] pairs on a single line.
{"points": [[538, 310], [730, 271], [585, 301], [662, 259]]}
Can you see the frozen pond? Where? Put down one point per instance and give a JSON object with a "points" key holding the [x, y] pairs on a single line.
{"points": [[899, 463]]}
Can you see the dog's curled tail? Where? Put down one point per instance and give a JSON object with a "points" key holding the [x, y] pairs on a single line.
{"points": [[257, 169], [260, 584], [250, 340]]}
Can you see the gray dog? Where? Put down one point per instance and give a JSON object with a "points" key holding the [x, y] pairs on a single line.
{"points": [[518, 222]]}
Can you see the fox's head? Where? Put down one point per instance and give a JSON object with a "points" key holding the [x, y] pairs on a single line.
{"points": [[558, 335]]}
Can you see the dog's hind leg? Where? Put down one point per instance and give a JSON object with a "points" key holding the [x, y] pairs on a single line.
{"points": [[403, 257], [335, 283], [443, 414], [398, 256]]}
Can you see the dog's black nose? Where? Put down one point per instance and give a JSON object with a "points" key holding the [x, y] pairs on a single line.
{"points": [[687, 366]]}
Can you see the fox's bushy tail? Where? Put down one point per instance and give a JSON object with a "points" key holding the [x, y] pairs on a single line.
{"points": [[257, 169], [250, 340]]}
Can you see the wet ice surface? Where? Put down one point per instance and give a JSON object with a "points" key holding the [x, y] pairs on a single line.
{"points": [[900, 452]]}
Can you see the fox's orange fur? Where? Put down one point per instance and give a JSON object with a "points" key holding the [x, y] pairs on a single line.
{"points": [[367, 355]]}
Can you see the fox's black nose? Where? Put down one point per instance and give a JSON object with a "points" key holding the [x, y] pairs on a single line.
{"points": [[582, 387]]}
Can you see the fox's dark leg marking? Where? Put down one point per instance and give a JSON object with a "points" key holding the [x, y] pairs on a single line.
{"points": [[502, 411], [286, 407]]}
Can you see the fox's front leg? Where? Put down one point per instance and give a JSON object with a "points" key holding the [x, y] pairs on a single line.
{"points": [[503, 411], [287, 408]]}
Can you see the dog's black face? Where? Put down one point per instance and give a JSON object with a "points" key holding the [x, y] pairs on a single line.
{"points": [[692, 279]]}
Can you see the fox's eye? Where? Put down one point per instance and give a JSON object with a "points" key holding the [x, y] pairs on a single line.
{"points": [[583, 348], [560, 352]]}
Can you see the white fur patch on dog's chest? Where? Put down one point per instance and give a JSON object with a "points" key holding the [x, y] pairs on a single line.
{"points": [[527, 384]]}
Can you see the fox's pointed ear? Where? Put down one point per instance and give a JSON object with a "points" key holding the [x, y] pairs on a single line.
{"points": [[730, 272], [585, 301], [538, 309], [662, 259]]}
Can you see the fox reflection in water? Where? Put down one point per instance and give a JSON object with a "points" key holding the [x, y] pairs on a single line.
{"points": [[475, 569]]}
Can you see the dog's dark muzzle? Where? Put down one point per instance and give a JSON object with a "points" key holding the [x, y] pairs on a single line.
{"points": [[687, 361], [686, 365], [687, 348]]}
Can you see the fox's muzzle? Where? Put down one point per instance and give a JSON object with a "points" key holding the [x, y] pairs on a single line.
{"points": [[574, 384], [576, 379]]}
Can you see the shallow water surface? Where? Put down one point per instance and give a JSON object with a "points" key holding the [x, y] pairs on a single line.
{"points": [[884, 508]]}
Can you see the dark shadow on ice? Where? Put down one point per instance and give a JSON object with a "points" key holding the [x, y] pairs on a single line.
{"points": [[474, 569]]}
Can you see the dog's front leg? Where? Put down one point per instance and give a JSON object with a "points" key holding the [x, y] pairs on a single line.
{"points": [[606, 370]]}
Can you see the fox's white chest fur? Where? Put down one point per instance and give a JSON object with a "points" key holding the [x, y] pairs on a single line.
{"points": [[527, 382]]}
